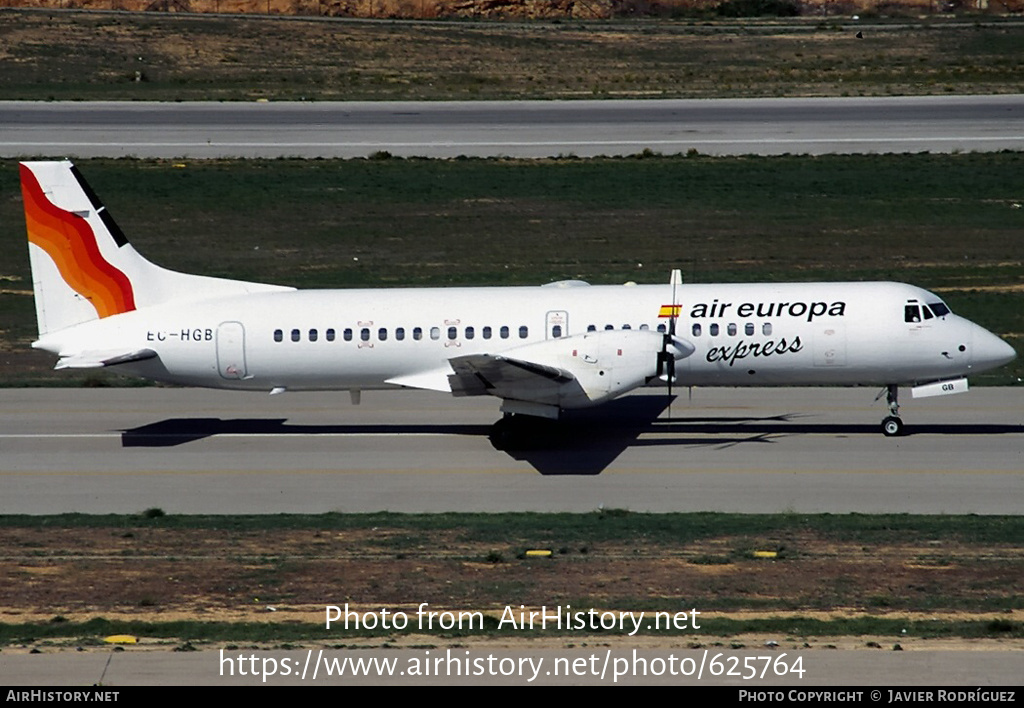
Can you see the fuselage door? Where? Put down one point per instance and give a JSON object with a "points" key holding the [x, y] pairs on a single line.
{"points": [[231, 350], [557, 324]]}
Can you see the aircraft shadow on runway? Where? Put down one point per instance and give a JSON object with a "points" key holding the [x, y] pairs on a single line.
{"points": [[582, 443], [178, 431]]}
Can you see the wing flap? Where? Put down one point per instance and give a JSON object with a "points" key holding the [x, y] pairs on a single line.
{"points": [[505, 377]]}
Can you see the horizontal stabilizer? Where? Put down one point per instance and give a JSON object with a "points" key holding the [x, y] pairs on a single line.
{"points": [[98, 359]]}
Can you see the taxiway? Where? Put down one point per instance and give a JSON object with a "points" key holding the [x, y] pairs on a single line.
{"points": [[512, 128]]}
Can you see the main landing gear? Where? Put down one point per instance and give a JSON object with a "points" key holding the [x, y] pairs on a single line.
{"points": [[892, 424], [520, 432]]}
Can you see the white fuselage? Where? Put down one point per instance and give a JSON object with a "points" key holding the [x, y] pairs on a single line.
{"points": [[742, 334]]}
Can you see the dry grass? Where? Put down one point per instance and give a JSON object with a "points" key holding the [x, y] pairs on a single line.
{"points": [[189, 57], [160, 573]]}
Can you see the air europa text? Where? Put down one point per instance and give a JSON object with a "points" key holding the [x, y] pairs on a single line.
{"points": [[810, 310]]}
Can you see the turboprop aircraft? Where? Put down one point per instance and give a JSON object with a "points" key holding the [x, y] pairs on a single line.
{"points": [[541, 350]]}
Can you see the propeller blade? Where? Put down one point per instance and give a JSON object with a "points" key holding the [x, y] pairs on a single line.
{"points": [[669, 348]]}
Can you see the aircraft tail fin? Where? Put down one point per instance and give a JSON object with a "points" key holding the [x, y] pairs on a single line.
{"points": [[83, 267]]}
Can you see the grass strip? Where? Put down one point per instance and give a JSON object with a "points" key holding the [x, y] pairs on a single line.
{"points": [[606, 525]]}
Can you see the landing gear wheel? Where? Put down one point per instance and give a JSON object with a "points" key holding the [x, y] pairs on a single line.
{"points": [[892, 426]]}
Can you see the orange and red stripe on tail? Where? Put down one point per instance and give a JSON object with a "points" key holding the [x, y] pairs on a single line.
{"points": [[69, 241]]}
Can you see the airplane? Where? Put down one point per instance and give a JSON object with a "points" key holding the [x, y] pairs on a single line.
{"points": [[542, 350]]}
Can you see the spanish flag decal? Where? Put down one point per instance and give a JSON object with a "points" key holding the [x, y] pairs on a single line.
{"points": [[669, 310], [69, 240]]}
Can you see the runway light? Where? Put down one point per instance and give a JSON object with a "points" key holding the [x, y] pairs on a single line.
{"points": [[539, 553], [121, 639], [765, 554]]}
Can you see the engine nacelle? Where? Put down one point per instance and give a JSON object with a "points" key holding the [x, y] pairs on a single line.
{"points": [[604, 364]]}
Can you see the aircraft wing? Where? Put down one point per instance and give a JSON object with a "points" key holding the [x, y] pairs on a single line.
{"points": [[505, 377], [544, 378], [97, 359]]}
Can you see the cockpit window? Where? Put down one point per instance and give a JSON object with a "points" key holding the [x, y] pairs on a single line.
{"points": [[939, 309], [912, 313], [927, 312]]}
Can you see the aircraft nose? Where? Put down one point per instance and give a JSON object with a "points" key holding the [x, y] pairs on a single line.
{"points": [[990, 351]]}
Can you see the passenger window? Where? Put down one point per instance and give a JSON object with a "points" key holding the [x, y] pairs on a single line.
{"points": [[487, 332], [626, 326], [591, 328], [453, 333], [912, 313], [470, 332], [504, 332], [400, 333], [382, 334], [435, 332], [348, 334], [417, 333], [278, 335], [364, 334], [556, 331], [713, 330], [645, 326], [524, 332], [749, 328], [330, 335], [766, 329], [662, 328], [313, 335], [696, 329], [607, 327], [296, 335]]}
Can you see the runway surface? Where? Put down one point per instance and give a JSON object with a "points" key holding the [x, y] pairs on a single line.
{"points": [[513, 128], [742, 450]]}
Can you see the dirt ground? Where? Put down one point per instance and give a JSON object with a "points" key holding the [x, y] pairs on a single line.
{"points": [[517, 9], [282, 576]]}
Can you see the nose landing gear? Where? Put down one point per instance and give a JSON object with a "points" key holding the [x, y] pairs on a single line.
{"points": [[892, 424]]}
